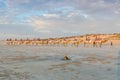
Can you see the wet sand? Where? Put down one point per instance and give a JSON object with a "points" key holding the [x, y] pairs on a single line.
{"points": [[45, 63]]}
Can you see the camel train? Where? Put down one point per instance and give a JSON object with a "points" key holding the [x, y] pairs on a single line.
{"points": [[69, 41], [49, 42], [94, 41]]}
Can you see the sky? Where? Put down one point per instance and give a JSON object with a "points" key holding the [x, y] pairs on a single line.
{"points": [[58, 18]]}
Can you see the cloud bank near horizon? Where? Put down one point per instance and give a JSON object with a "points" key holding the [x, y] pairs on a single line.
{"points": [[52, 18]]}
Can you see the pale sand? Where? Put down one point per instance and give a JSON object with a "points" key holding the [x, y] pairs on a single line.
{"points": [[115, 42], [45, 63]]}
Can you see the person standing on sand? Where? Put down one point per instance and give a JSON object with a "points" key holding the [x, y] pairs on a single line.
{"points": [[111, 44], [94, 44]]}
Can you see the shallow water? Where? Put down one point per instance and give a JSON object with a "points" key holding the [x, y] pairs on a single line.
{"points": [[45, 63]]}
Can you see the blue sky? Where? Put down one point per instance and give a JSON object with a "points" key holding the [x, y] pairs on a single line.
{"points": [[56, 18]]}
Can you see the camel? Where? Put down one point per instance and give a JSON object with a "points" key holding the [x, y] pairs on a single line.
{"points": [[44, 42], [27, 42], [87, 42], [64, 42], [36, 42], [99, 42], [75, 42], [9, 42], [57, 42], [12, 42], [51, 42]]}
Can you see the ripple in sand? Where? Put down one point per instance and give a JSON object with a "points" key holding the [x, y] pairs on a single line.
{"points": [[12, 75]]}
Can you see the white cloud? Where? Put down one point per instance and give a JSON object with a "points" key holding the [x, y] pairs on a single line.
{"points": [[50, 15], [66, 16], [75, 23], [40, 24]]}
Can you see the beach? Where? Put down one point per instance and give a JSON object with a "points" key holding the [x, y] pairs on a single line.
{"points": [[59, 39], [46, 63]]}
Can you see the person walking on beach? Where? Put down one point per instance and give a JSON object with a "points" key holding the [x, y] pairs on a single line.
{"points": [[111, 44], [94, 44]]}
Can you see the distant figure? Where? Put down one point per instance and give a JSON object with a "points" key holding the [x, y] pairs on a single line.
{"points": [[94, 43], [111, 44]]}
